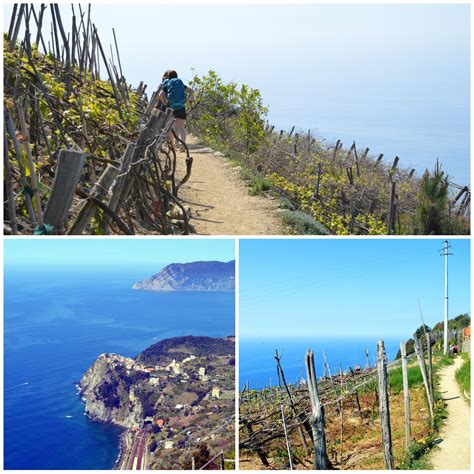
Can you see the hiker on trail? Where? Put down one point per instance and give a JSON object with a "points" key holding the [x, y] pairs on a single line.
{"points": [[174, 94]]}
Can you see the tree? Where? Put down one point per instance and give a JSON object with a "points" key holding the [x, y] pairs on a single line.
{"points": [[201, 456], [433, 201]]}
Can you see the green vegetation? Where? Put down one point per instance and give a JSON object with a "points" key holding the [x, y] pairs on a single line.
{"points": [[455, 325], [433, 201], [396, 378], [227, 116], [346, 191], [181, 347], [303, 223], [86, 116], [415, 458], [463, 376], [257, 182]]}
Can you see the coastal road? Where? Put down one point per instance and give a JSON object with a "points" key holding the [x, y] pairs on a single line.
{"points": [[136, 460]]}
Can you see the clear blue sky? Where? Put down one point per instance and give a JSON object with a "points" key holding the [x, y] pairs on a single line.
{"points": [[100, 254], [341, 287]]}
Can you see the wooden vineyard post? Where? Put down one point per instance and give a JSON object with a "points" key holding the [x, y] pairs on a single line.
{"points": [[288, 445], [356, 396], [367, 358], [317, 416], [89, 208], [293, 409], [260, 453], [69, 170], [384, 406], [430, 364], [406, 392], [193, 464], [421, 362], [392, 209]]}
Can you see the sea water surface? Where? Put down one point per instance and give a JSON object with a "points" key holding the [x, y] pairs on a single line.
{"points": [[56, 324], [257, 365]]}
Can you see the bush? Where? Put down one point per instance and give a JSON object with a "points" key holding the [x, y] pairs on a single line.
{"points": [[396, 378], [303, 223], [258, 182], [227, 114], [413, 459]]}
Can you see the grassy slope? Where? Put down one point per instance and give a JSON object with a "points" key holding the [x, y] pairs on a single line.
{"points": [[463, 376]]}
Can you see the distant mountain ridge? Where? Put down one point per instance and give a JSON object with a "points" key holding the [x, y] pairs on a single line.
{"points": [[194, 276]]}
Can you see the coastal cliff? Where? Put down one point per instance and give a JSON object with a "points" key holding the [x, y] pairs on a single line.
{"points": [[174, 384], [194, 276], [107, 389]]}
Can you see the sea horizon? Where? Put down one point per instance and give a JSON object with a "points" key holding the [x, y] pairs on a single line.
{"points": [[258, 366], [417, 135]]}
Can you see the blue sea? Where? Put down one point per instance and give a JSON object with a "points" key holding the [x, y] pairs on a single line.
{"points": [[419, 130], [56, 323], [257, 365]]}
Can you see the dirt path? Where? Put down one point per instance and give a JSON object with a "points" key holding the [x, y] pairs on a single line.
{"points": [[455, 445], [219, 200]]}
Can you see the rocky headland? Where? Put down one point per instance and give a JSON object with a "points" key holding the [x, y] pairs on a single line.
{"points": [[194, 276]]}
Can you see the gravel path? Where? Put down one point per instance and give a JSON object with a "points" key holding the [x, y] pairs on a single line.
{"points": [[219, 199], [455, 445]]}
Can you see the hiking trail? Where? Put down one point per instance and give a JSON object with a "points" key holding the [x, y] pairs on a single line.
{"points": [[454, 449], [219, 199]]}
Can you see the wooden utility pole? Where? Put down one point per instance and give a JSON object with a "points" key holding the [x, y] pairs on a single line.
{"points": [[384, 406]]}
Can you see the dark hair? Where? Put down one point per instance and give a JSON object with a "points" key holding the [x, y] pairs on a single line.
{"points": [[172, 74]]}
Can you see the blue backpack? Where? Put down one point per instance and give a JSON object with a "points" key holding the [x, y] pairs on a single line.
{"points": [[175, 93]]}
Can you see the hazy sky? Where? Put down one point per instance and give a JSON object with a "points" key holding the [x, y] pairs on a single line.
{"points": [[100, 254], [340, 287], [392, 77], [274, 47], [366, 45]]}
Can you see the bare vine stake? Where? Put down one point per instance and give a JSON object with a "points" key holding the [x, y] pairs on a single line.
{"points": [[368, 360], [384, 406], [293, 409], [421, 362], [406, 393], [31, 166], [317, 416], [8, 185], [260, 453], [428, 353], [391, 215], [288, 446], [326, 363], [430, 364]]}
